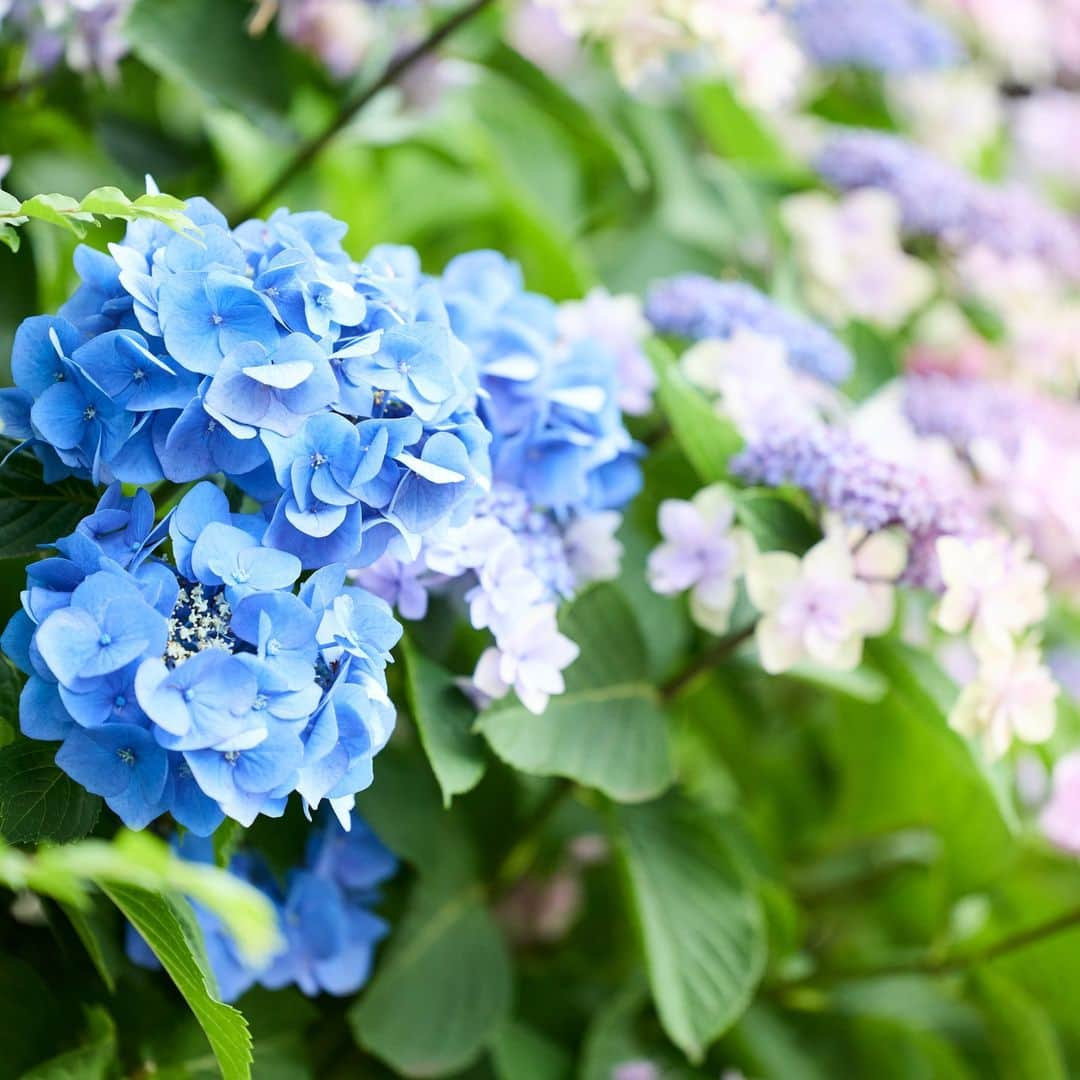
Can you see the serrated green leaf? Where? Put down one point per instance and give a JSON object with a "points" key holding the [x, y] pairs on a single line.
{"points": [[38, 801], [444, 717], [608, 730], [32, 513], [702, 927], [166, 926], [708, 440], [8, 203]]}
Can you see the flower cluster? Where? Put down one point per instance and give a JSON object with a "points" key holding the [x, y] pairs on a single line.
{"points": [[333, 393], [748, 42], [850, 255], [86, 35], [203, 686], [328, 929], [881, 35], [937, 199], [1024, 449], [696, 307], [841, 474], [563, 466]]}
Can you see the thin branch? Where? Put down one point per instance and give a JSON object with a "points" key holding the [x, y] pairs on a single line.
{"points": [[394, 70], [945, 965], [705, 662]]}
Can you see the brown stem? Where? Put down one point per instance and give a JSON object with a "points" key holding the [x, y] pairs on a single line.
{"points": [[394, 70], [946, 965], [705, 662]]}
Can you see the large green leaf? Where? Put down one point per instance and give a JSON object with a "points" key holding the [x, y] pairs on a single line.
{"points": [[442, 989], [608, 730], [31, 513], [902, 766], [707, 439], [702, 927], [205, 44], [168, 926], [38, 801], [1024, 1042], [519, 1050], [444, 718]]}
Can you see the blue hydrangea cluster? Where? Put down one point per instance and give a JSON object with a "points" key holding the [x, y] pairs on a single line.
{"points": [[552, 407], [841, 474], [890, 36], [334, 393], [205, 685], [695, 306], [940, 200], [328, 929]]}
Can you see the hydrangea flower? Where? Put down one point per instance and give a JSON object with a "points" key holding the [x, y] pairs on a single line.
{"points": [[880, 35], [328, 930], [619, 323], [205, 686], [940, 200], [850, 254], [814, 608], [1060, 817], [334, 393], [701, 553], [86, 35], [1013, 696], [695, 306], [991, 585], [563, 468]]}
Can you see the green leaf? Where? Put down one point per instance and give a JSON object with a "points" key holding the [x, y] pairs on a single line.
{"points": [[10, 236], [32, 513], [593, 136], [776, 520], [205, 45], [930, 776], [608, 730], [739, 134], [94, 1060], [38, 801], [520, 1051], [1023, 1039], [107, 201], [707, 439], [60, 210], [167, 925], [444, 718], [443, 988], [98, 940], [702, 927]]}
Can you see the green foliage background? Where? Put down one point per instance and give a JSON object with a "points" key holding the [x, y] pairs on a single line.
{"points": [[809, 876]]}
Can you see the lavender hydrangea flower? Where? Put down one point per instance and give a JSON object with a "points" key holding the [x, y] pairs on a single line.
{"points": [[882, 35], [842, 475], [696, 307], [940, 200]]}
